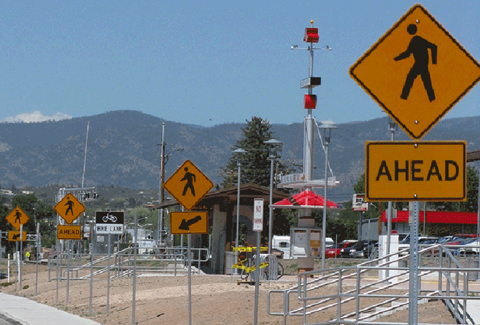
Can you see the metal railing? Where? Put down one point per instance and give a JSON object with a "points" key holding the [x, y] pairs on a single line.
{"points": [[359, 295], [169, 260]]}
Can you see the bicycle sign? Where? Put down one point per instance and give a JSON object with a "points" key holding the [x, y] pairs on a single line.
{"points": [[109, 222]]}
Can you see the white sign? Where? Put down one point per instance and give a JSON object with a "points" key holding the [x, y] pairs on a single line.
{"points": [[109, 229], [258, 215]]}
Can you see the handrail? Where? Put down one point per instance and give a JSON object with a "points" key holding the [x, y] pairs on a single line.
{"points": [[313, 298]]}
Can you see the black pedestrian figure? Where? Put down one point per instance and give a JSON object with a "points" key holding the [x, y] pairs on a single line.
{"points": [[419, 48], [190, 178], [18, 215], [70, 207]]}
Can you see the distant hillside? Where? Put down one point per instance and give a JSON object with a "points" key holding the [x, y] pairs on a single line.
{"points": [[123, 149]]}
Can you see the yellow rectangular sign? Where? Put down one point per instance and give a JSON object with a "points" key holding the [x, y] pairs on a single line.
{"points": [[69, 232], [15, 235], [415, 171], [193, 222]]}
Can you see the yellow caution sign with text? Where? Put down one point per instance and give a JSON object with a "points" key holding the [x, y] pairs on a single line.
{"points": [[69, 232], [415, 171]]}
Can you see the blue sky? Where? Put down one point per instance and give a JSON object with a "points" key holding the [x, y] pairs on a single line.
{"points": [[201, 62]]}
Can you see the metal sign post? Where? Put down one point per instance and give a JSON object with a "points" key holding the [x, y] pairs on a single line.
{"points": [[36, 264], [108, 275], [258, 228], [21, 254], [189, 254], [68, 269], [413, 306], [92, 234], [134, 270]]}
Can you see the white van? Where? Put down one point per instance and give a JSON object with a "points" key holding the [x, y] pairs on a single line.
{"points": [[282, 243]]}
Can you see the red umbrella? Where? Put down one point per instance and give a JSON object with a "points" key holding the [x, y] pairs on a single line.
{"points": [[305, 199]]}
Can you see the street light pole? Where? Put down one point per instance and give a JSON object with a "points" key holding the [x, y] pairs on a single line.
{"points": [[274, 146], [327, 128], [238, 152]]}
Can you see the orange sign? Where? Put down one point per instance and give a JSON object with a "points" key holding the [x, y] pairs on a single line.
{"points": [[415, 171], [69, 232], [69, 208], [193, 222], [188, 185], [15, 236], [416, 72], [17, 218]]}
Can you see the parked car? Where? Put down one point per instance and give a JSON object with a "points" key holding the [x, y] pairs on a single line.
{"points": [[358, 250], [453, 246], [335, 251], [473, 247]]}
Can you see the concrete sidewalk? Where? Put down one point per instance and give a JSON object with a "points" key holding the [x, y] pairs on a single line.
{"points": [[29, 312]]}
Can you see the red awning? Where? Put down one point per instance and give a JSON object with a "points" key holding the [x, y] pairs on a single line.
{"points": [[305, 199], [437, 217]]}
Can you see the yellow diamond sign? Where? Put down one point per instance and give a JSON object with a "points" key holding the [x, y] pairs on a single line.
{"points": [[17, 218], [69, 208], [188, 185], [416, 72]]}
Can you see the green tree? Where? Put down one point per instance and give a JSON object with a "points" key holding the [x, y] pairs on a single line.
{"points": [[255, 162], [471, 205]]}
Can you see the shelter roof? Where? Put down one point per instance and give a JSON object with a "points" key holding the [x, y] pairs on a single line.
{"points": [[251, 191]]}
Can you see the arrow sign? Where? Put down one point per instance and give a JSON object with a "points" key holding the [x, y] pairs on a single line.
{"points": [[185, 225], [195, 222]]}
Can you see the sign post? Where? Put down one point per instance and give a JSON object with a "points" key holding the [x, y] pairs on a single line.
{"points": [[188, 185], [109, 223], [69, 208], [416, 72], [258, 228]]}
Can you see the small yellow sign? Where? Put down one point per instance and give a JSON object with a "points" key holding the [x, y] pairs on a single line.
{"points": [[416, 72], [415, 171], [15, 236], [69, 208], [193, 222], [188, 185], [17, 218], [69, 232]]}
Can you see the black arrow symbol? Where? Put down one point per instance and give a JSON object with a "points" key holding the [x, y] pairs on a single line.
{"points": [[15, 236], [186, 224]]}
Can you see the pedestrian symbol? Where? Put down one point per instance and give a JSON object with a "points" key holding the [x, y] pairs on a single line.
{"points": [[188, 185], [190, 178], [416, 72], [17, 218], [418, 47], [69, 208]]}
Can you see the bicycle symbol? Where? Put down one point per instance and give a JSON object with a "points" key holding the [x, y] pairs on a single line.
{"points": [[109, 217]]}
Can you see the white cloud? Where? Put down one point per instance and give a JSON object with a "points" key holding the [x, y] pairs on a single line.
{"points": [[36, 116]]}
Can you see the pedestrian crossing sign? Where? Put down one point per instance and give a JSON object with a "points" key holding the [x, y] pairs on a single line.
{"points": [[17, 218], [188, 185], [416, 72], [69, 208]]}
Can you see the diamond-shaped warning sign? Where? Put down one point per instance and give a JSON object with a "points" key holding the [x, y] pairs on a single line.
{"points": [[17, 218], [416, 72], [188, 185], [69, 208]]}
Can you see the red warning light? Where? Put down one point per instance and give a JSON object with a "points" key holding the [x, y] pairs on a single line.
{"points": [[311, 35], [310, 101]]}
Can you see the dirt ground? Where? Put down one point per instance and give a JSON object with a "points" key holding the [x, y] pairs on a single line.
{"points": [[216, 299]]}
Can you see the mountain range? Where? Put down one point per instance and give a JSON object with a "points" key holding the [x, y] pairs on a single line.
{"points": [[123, 149]]}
